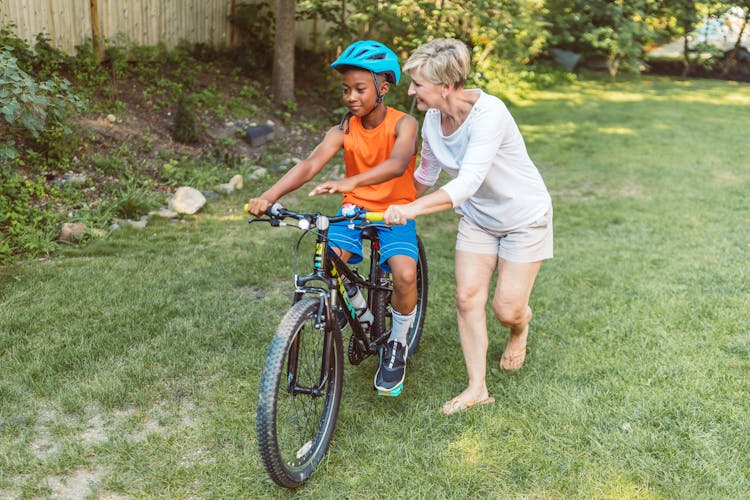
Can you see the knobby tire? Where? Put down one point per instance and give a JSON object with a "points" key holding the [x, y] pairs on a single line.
{"points": [[294, 430]]}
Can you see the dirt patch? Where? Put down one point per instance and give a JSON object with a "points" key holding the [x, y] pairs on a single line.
{"points": [[94, 430], [80, 484]]}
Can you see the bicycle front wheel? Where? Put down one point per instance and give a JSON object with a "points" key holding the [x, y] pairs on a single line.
{"points": [[300, 392]]}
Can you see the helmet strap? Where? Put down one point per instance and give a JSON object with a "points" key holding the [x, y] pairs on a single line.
{"points": [[377, 89], [379, 100], [344, 120]]}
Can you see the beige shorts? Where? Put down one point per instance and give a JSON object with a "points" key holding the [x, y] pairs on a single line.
{"points": [[526, 244]]}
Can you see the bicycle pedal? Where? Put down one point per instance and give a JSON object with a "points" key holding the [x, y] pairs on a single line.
{"points": [[393, 393]]}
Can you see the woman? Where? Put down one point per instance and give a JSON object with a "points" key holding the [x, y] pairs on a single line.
{"points": [[506, 210]]}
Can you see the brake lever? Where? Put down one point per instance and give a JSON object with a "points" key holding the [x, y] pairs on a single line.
{"points": [[273, 222], [366, 223]]}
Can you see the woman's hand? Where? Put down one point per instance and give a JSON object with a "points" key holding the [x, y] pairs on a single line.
{"points": [[398, 215], [336, 186]]}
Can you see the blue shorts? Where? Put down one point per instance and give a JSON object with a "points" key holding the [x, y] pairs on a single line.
{"points": [[394, 240]]}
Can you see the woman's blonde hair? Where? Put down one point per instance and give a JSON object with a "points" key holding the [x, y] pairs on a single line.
{"points": [[443, 60]]}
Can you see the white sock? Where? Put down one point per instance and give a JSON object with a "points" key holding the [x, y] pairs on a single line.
{"points": [[400, 326]]}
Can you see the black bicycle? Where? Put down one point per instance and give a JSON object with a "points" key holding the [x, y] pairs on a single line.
{"points": [[301, 385]]}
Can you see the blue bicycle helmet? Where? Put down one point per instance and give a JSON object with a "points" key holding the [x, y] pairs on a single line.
{"points": [[372, 56]]}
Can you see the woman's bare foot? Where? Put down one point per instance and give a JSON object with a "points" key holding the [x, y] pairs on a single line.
{"points": [[515, 352]]}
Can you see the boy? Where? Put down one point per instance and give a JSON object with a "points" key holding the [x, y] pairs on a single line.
{"points": [[380, 145]]}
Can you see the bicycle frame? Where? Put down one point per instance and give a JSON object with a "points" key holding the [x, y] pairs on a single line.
{"points": [[329, 269]]}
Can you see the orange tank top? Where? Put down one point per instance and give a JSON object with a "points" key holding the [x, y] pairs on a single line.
{"points": [[367, 148]]}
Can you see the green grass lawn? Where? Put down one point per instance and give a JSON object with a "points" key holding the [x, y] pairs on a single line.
{"points": [[130, 368]]}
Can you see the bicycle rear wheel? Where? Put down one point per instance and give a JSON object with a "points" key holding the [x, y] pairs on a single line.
{"points": [[381, 303], [299, 397]]}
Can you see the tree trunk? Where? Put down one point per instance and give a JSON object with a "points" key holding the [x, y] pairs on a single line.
{"points": [[731, 59], [613, 64], [96, 37], [686, 54], [282, 79]]}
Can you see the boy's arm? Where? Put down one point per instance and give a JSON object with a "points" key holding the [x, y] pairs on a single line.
{"points": [[404, 149], [301, 173]]}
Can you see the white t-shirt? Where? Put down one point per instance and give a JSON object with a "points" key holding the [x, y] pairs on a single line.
{"points": [[494, 182]]}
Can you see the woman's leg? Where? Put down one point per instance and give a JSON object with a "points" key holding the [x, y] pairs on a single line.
{"points": [[473, 276], [511, 307]]}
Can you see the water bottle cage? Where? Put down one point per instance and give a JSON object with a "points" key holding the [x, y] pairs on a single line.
{"points": [[361, 312]]}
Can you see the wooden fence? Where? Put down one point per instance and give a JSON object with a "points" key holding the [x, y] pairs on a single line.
{"points": [[143, 22]]}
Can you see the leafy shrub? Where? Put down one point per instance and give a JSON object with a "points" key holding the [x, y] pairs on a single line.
{"points": [[41, 110], [87, 71], [49, 60], [19, 47], [133, 200], [185, 125], [513, 82], [24, 228], [255, 25]]}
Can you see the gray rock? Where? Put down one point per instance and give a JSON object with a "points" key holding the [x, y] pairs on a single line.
{"points": [[136, 224], [236, 181], [258, 135], [72, 231], [256, 174], [282, 166], [224, 188], [164, 213], [187, 200], [75, 178]]}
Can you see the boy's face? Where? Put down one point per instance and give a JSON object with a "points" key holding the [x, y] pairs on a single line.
{"points": [[358, 91]]}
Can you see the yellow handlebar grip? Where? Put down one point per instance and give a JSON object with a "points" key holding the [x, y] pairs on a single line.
{"points": [[374, 216], [245, 207]]}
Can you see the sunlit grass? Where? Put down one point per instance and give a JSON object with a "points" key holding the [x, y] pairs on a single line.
{"points": [[132, 365]]}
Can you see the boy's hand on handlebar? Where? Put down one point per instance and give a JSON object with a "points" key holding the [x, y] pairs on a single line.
{"points": [[331, 187], [258, 206]]}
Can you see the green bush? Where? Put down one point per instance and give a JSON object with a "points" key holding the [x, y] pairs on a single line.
{"points": [[185, 125], [255, 25], [25, 229], [19, 47], [513, 82], [49, 61], [133, 200], [39, 110]]}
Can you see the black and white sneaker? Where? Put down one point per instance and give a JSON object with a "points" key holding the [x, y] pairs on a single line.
{"points": [[389, 380]]}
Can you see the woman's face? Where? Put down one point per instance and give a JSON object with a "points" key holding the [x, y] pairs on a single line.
{"points": [[428, 94], [358, 91]]}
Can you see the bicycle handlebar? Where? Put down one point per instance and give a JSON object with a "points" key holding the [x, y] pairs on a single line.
{"points": [[278, 212]]}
